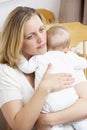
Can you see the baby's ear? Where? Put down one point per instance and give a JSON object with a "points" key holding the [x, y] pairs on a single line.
{"points": [[66, 49]]}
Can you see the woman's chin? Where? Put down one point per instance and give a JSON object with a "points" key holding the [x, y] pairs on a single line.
{"points": [[43, 51]]}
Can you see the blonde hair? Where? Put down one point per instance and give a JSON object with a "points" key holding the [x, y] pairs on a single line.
{"points": [[13, 34], [59, 37]]}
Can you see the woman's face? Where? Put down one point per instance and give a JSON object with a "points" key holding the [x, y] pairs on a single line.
{"points": [[34, 37]]}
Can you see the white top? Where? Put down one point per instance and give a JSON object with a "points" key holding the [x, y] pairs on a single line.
{"points": [[61, 63], [13, 85]]}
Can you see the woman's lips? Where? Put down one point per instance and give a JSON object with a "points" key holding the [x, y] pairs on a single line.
{"points": [[42, 46]]}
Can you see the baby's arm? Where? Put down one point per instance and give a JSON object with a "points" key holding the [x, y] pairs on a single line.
{"points": [[80, 62], [28, 66]]}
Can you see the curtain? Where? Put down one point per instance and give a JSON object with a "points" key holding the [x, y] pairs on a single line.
{"points": [[85, 12], [73, 11]]}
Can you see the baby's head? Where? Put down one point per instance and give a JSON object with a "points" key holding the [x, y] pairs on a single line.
{"points": [[58, 38]]}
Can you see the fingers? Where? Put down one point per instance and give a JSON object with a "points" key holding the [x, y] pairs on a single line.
{"points": [[49, 68], [66, 75], [66, 80], [68, 83]]}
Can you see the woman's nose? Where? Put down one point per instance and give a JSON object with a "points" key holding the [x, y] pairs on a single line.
{"points": [[39, 38]]}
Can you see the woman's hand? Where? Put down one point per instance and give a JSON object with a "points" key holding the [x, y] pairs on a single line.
{"points": [[42, 123], [67, 115], [54, 82]]}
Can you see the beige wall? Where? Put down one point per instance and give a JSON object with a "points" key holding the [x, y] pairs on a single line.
{"points": [[7, 5]]}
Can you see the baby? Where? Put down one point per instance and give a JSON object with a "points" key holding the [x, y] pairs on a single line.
{"points": [[63, 61]]}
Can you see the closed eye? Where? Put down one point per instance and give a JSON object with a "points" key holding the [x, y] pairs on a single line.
{"points": [[29, 37], [42, 29]]}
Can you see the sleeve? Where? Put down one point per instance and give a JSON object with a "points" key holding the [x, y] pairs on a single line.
{"points": [[9, 85], [28, 66], [79, 62]]}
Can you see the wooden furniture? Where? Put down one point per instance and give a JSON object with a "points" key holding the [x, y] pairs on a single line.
{"points": [[47, 15], [78, 33]]}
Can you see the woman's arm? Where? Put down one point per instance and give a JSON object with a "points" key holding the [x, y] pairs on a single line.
{"points": [[76, 112], [24, 117], [21, 117]]}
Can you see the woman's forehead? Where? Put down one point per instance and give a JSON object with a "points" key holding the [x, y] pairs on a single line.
{"points": [[32, 24]]}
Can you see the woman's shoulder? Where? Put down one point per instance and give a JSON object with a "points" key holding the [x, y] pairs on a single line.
{"points": [[5, 67], [7, 71], [9, 86], [8, 75], [13, 85], [12, 77]]}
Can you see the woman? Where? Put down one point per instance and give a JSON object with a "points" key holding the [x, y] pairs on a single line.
{"points": [[24, 33]]}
